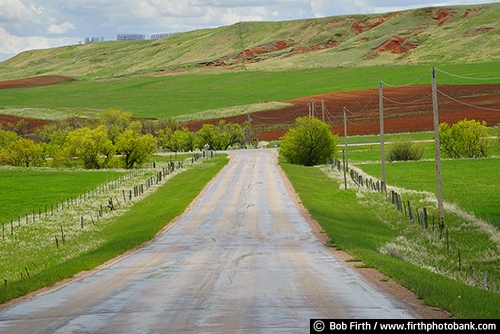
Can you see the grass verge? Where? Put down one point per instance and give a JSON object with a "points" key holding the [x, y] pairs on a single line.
{"points": [[354, 226]]}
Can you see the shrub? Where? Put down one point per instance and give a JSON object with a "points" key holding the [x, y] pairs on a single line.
{"points": [[404, 149], [465, 139], [309, 143]]}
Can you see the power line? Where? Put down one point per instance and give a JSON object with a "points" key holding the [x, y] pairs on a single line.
{"points": [[466, 104], [409, 102], [467, 78], [409, 84]]}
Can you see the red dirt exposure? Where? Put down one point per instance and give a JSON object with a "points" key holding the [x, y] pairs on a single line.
{"points": [[262, 49], [44, 80], [395, 45], [406, 109], [360, 27]]}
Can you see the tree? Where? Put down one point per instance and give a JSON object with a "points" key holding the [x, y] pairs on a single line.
{"points": [[208, 134], [219, 136], [116, 121], [464, 139], [231, 133], [309, 143], [23, 153], [135, 148], [92, 146], [6, 137]]}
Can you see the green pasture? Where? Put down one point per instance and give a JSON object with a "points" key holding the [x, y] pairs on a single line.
{"points": [[186, 94], [25, 191], [45, 261], [473, 184], [425, 260]]}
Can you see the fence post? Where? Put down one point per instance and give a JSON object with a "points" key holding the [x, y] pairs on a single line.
{"points": [[425, 218], [410, 210]]}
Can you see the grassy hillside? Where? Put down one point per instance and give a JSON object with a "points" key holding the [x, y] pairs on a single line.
{"points": [[458, 34]]}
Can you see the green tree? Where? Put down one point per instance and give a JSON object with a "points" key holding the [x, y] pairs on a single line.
{"points": [[181, 140], [135, 149], [185, 140], [208, 134], [219, 136], [6, 137], [464, 139], [23, 153], [92, 146], [310, 142], [231, 134], [116, 121]]}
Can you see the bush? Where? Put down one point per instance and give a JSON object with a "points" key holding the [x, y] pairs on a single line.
{"points": [[404, 149], [309, 143], [465, 139]]}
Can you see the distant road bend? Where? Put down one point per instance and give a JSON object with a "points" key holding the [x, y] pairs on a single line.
{"points": [[242, 260]]}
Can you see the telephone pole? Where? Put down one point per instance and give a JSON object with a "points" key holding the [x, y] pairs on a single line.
{"points": [[382, 142], [323, 109], [437, 144], [346, 167]]}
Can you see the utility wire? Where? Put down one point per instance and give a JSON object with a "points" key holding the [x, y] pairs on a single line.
{"points": [[409, 84], [467, 78], [409, 102], [466, 104]]}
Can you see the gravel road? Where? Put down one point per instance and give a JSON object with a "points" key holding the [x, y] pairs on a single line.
{"points": [[242, 259]]}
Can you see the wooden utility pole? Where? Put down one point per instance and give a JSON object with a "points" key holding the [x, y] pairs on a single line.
{"points": [[382, 143], [346, 167], [323, 109], [438, 152]]}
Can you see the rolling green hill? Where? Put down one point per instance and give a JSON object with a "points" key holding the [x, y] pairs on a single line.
{"points": [[451, 35]]}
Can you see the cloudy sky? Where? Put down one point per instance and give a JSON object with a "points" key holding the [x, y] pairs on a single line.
{"points": [[39, 24]]}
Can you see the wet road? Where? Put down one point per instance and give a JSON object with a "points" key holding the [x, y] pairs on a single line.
{"points": [[242, 260]]}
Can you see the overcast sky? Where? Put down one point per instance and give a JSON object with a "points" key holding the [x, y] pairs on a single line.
{"points": [[39, 24]]}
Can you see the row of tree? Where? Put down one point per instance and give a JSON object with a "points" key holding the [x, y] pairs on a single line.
{"points": [[111, 140]]}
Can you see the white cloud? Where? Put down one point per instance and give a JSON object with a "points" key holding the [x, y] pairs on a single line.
{"points": [[61, 28], [17, 10], [11, 45]]}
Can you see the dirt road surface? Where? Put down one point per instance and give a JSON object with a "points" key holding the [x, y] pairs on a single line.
{"points": [[242, 259]]}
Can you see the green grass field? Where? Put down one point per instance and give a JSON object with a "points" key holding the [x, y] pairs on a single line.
{"points": [[25, 191], [472, 184], [150, 97]]}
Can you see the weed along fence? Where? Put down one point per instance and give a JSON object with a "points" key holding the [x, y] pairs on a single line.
{"points": [[452, 251], [45, 237]]}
